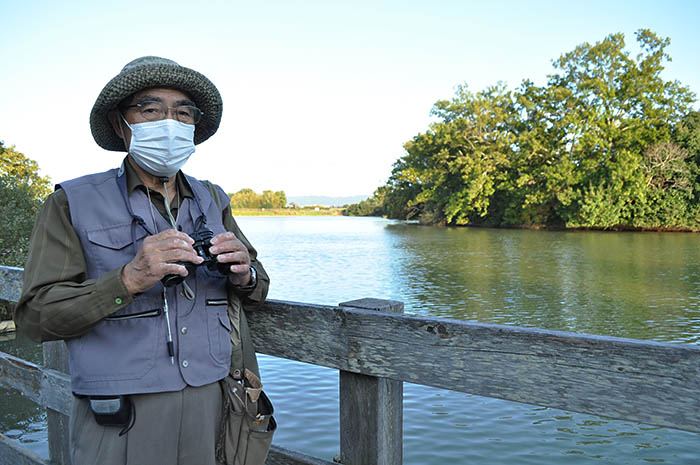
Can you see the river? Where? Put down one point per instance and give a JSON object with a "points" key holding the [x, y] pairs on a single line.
{"points": [[637, 285]]}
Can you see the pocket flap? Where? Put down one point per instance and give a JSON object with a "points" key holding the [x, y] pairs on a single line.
{"points": [[225, 321], [115, 237]]}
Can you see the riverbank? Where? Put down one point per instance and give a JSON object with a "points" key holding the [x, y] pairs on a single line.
{"points": [[551, 227], [298, 211]]}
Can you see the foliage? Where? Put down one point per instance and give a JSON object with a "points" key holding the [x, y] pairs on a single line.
{"points": [[247, 198], [21, 193], [289, 211], [606, 142], [24, 171], [368, 207], [687, 135]]}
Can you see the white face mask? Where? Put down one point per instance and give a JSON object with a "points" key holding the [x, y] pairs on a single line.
{"points": [[161, 147]]}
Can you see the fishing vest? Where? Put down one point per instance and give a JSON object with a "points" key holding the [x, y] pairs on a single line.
{"points": [[127, 353]]}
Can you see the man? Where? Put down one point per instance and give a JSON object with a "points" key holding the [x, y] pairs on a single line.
{"points": [[113, 271]]}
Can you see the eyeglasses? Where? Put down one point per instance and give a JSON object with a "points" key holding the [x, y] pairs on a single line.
{"points": [[156, 111]]}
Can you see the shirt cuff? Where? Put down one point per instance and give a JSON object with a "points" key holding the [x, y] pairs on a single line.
{"points": [[111, 286]]}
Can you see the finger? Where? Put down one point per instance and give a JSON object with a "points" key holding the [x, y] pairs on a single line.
{"points": [[168, 244], [240, 269], [241, 257], [179, 255], [224, 236], [228, 245], [172, 268], [173, 234]]}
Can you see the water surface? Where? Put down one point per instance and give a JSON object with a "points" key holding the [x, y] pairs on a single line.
{"points": [[638, 285]]}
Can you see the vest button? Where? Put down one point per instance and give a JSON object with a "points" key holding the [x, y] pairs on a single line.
{"points": [[185, 363], [184, 330]]}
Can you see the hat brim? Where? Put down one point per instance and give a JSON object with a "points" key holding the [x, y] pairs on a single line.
{"points": [[202, 91]]}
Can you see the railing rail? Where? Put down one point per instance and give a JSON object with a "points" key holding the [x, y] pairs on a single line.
{"points": [[376, 348]]}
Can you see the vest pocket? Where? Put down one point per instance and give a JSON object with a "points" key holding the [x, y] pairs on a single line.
{"points": [[106, 246], [115, 237], [95, 359], [219, 327]]}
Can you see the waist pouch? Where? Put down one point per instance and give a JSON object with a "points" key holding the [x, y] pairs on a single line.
{"points": [[247, 424]]}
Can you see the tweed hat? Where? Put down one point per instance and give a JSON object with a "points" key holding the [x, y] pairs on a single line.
{"points": [[147, 72]]}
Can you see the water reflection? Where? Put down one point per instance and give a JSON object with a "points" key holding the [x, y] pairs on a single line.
{"points": [[637, 285], [22, 420]]}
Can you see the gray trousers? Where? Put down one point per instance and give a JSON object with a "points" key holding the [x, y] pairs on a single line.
{"points": [[171, 428]]}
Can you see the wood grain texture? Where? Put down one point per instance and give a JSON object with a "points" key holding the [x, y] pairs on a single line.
{"points": [[371, 408], [15, 454], [642, 381], [11, 283], [44, 386], [56, 358], [281, 456]]}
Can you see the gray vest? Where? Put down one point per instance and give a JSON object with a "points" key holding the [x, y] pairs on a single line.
{"points": [[126, 353]]}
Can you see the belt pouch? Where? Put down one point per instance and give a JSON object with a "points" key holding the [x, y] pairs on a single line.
{"points": [[111, 410], [247, 424]]}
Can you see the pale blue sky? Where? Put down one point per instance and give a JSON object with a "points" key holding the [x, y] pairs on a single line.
{"points": [[319, 96]]}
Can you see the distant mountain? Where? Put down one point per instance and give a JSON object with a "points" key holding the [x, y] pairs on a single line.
{"points": [[325, 201]]}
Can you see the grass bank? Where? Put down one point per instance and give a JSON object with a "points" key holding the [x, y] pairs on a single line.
{"points": [[299, 211]]}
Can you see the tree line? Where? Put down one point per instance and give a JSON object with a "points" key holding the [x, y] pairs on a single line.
{"points": [[607, 142], [248, 198]]}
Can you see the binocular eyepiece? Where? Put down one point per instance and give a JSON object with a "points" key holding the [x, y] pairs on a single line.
{"points": [[202, 243]]}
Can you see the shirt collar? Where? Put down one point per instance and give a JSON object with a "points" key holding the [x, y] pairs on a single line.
{"points": [[133, 181]]}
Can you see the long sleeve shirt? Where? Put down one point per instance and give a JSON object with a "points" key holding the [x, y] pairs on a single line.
{"points": [[58, 300]]}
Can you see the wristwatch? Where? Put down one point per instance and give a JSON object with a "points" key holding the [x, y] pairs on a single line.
{"points": [[253, 281]]}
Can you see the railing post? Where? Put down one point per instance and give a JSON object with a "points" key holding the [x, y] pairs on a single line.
{"points": [[371, 409], [56, 358]]}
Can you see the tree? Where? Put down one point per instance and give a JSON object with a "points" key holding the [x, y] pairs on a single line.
{"points": [[368, 207], [576, 152], [22, 191], [24, 171], [457, 165], [270, 199], [608, 108], [248, 198], [687, 135]]}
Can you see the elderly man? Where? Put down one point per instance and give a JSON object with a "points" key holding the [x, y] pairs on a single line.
{"points": [[119, 269]]}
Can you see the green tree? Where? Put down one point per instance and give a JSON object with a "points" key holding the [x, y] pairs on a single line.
{"points": [[22, 191], [23, 171], [607, 108], [270, 199], [248, 198], [245, 198], [457, 165], [579, 151], [368, 207], [687, 135]]}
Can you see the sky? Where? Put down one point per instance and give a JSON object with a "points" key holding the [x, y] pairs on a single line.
{"points": [[319, 96]]}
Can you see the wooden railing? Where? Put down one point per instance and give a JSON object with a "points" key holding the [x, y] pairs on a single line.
{"points": [[375, 348]]}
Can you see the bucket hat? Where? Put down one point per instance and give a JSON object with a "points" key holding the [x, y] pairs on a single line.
{"points": [[147, 72]]}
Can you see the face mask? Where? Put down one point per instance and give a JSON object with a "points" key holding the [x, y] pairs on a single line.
{"points": [[162, 147]]}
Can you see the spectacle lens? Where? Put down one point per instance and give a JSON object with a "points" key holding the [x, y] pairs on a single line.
{"points": [[155, 111]]}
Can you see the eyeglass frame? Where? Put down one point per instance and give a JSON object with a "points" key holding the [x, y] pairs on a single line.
{"points": [[169, 110]]}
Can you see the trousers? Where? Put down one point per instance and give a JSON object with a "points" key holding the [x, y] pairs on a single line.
{"points": [[170, 428]]}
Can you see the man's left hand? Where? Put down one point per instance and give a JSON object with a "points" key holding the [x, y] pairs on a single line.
{"points": [[229, 249]]}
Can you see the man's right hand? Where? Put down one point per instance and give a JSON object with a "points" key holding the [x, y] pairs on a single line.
{"points": [[157, 258]]}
